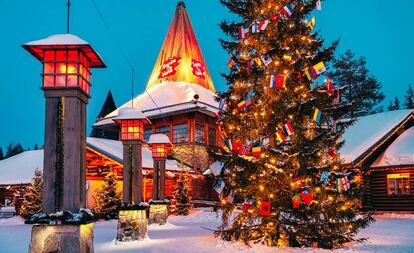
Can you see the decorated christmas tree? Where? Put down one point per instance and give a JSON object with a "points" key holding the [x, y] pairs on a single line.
{"points": [[107, 198], [282, 122], [181, 204], [32, 197]]}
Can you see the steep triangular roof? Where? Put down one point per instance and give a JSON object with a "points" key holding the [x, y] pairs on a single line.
{"points": [[108, 106], [180, 58]]}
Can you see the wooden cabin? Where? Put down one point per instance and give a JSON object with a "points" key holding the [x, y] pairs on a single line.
{"points": [[382, 146]]}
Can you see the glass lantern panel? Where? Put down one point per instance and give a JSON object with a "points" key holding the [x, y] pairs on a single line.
{"points": [[49, 68], [60, 81], [73, 55], [49, 55], [60, 55], [72, 80], [72, 68], [48, 81], [124, 136], [88, 88], [61, 68]]}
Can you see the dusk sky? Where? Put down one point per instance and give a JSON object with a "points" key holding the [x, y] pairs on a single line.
{"points": [[380, 30]]}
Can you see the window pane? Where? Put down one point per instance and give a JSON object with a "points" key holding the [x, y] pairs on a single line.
{"points": [[147, 134], [49, 55], [199, 134], [60, 55], [72, 80], [212, 137], [180, 133], [398, 183], [49, 68], [48, 81], [60, 80], [73, 55], [163, 130]]}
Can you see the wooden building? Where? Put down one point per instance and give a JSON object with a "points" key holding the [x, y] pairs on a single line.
{"points": [[382, 146]]}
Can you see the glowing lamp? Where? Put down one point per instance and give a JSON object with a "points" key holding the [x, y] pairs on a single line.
{"points": [[132, 123], [67, 61], [160, 144]]}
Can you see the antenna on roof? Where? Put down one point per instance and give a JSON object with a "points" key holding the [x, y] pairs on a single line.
{"points": [[68, 21], [132, 88]]}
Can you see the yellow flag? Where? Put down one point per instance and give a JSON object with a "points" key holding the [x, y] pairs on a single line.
{"points": [[311, 24]]}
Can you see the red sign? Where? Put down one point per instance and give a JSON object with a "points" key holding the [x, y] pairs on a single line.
{"points": [[169, 67], [198, 69]]}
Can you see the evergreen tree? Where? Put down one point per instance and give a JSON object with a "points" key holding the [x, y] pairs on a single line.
{"points": [[181, 202], [36, 147], [292, 186], [361, 90], [394, 105], [13, 150], [1, 154], [409, 98], [32, 197], [107, 198]]}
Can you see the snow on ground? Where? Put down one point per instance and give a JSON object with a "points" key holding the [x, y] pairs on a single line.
{"points": [[392, 233]]}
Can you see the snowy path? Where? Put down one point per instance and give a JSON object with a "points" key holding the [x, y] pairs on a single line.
{"points": [[390, 234]]}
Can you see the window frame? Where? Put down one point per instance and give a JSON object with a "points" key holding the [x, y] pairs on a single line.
{"points": [[403, 176], [196, 139], [176, 131]]}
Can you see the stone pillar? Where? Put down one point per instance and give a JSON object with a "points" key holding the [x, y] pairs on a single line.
{"points": [[65, 150], [132, 172], [155, 183]]}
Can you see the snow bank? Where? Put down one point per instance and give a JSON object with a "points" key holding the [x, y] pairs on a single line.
{"points": [[19, 169]]}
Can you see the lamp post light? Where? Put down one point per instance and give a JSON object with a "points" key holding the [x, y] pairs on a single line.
{"points": [[131, 134]]}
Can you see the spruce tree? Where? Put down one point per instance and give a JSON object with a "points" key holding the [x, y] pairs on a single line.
{"points": [[32, 196], [181, 202], [107, 198], [1, 154], [394, 105], [409, 98], [361, 90], [282, 126]]}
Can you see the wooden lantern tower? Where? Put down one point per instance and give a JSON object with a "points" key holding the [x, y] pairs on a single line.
{"points": [[67, 61], [161, 146], [131, 134]]}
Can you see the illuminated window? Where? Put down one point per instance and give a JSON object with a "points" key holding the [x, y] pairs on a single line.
{"points": [[199, 134], [147, 134], [163, 130], [212, 137], [398, 184], [180, 133]]}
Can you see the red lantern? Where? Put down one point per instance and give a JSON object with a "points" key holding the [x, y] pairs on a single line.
{"points": [[265, 208], [160, 144], [296, 201], [132, 124], [67, 61]]}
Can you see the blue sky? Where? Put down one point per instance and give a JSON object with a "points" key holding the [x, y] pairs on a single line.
{"points": [[375, 29]]}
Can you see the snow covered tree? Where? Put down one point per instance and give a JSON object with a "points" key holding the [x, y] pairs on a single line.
{"points": [[282, 126], [32, 196], [181, 202], [13, 150], [409, 98], [394, 105], [361, 89], [107, 198]]}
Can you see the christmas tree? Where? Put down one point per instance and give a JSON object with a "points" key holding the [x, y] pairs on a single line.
{"points": [[282, 123], [180, 204], [107, 198], [32, 197]]}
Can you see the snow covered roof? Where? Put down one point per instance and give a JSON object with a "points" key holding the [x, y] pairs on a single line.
{"points": [[158, 138], [400, 152], [369, 130], [64, 41], [130, 113], [169, 97], [19, 169]]}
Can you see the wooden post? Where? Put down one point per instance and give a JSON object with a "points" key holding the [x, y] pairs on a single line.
{"points": [[155, 180], [162, 178], [132, 172], [127, 174], [137, 165]]}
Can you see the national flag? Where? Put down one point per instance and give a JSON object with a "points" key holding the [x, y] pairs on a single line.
{"points": [[266, 59], [324, 176], [256, 150], [228, 143], [287, 10], [248, 100], [317, 116], [219, 186], [332, 153], [330, 86], [334, 127], [241, 105], [244, 149], [280, 136], [230, 63], [319, 5], [263, 24], [342, 184], [272, 83], [288, 129], [222, 103], [310, 73], [319, 68], [243, 32], [280, 81], [312, 23], [248, 66], [255, 27]]}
